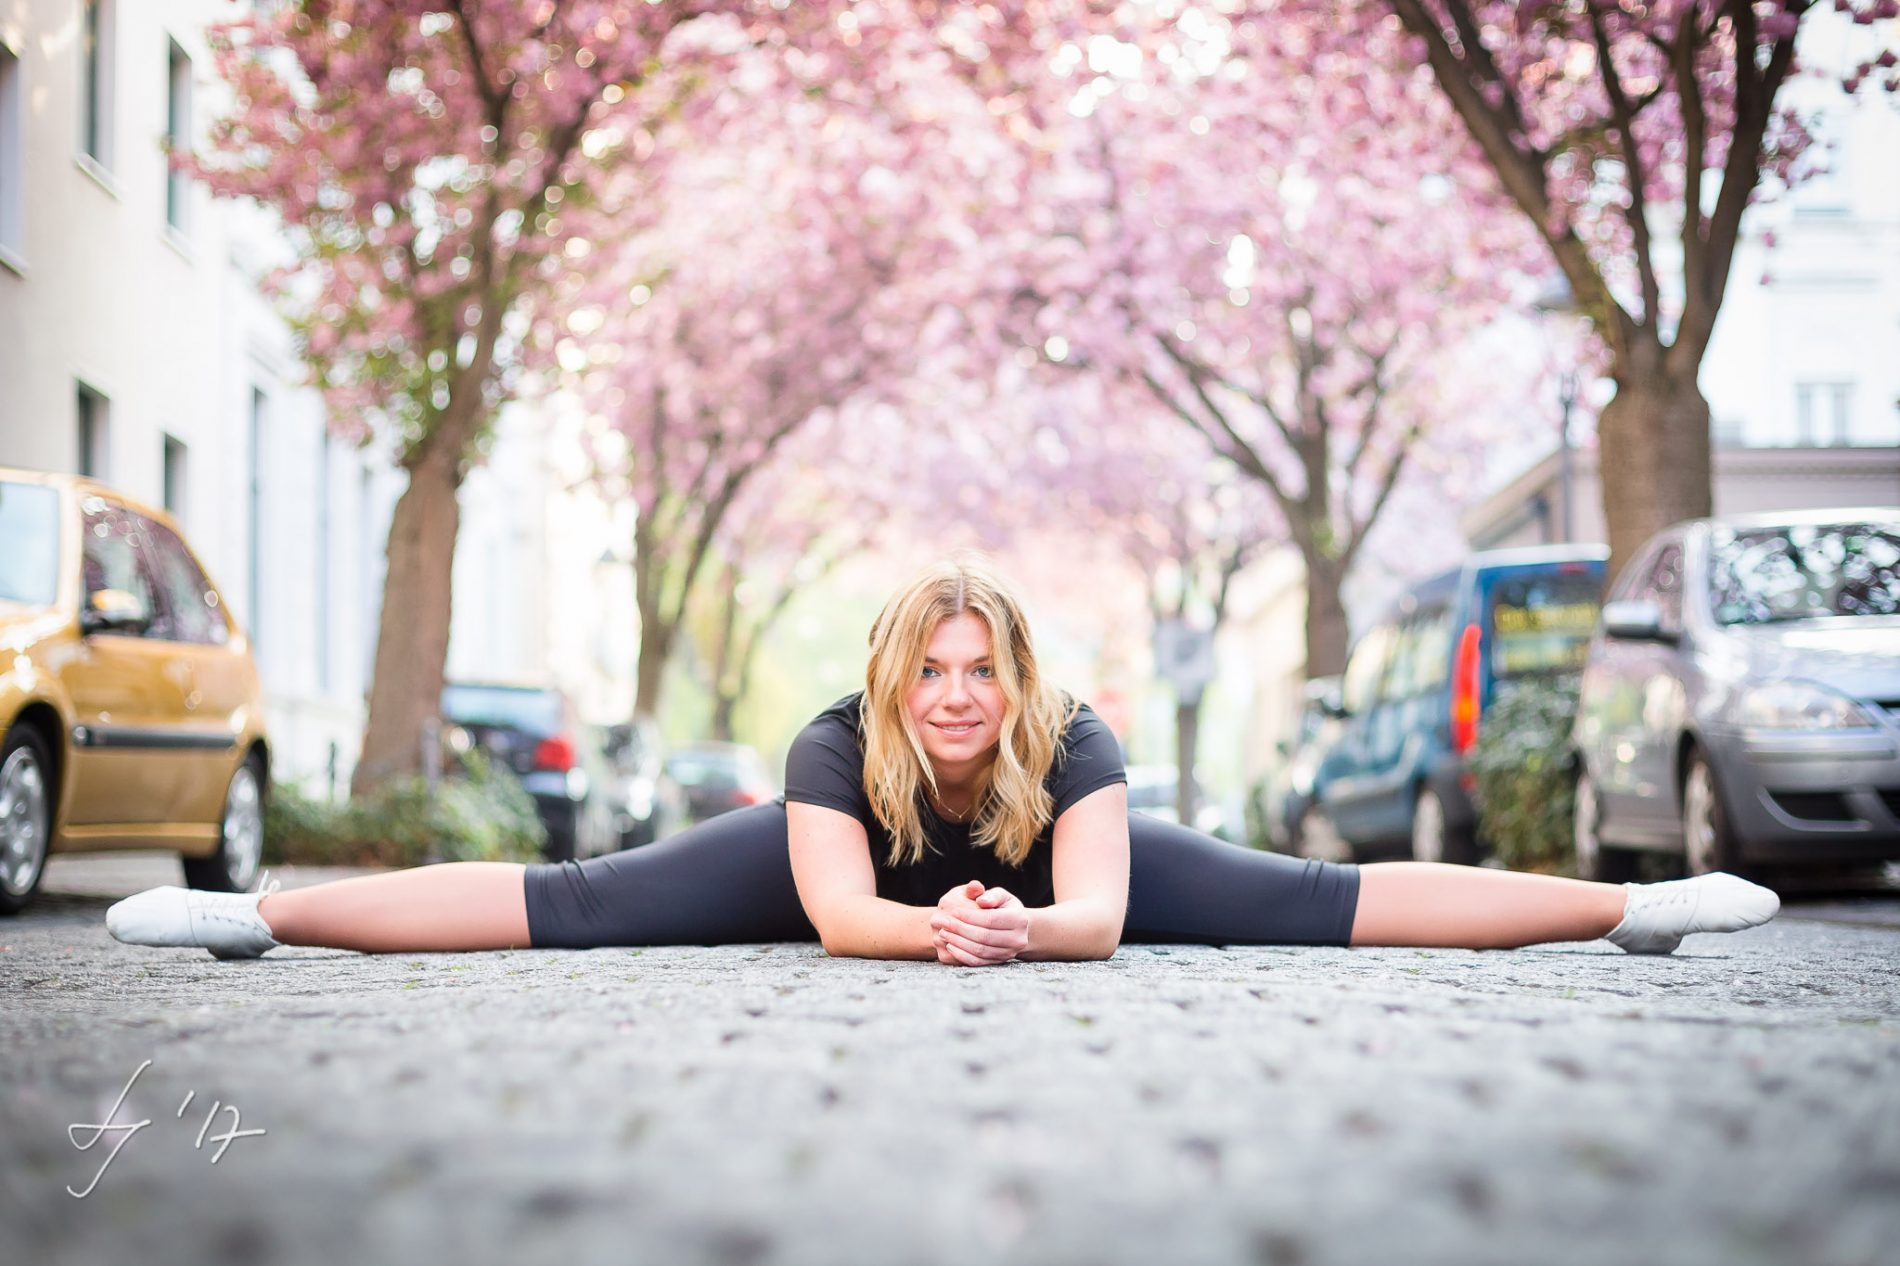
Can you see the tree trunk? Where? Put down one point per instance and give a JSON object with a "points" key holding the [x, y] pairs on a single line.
{"points": [[412, 637], [1187, 739], [1327, 632], [656, 646], [1653, 455]]}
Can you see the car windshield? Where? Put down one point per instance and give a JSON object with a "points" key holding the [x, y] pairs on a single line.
{"points": [[29, 544], [1542, 622], [1804, 572], [530, 711]]}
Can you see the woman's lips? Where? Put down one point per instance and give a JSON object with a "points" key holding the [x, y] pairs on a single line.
{"points": [[957, 729]]}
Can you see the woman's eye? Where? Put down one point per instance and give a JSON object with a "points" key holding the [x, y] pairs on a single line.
{"points": [[984, 671], [930, 672]]}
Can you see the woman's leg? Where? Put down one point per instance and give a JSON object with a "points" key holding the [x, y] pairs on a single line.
{"points": [[1188, 888], [1470, 907], [726, 881], [451, 906]]}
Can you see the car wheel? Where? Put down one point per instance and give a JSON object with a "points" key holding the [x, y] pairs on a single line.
{"points": [[1707, 843], [1433, 839], [1594, 860], [1318, 839], [233, 868], [25, 818]]}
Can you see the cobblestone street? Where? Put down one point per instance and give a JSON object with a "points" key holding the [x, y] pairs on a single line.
{"points": [[1736, 1103]]}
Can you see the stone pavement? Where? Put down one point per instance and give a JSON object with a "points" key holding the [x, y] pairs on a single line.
{"points": [[1738, 1102]]}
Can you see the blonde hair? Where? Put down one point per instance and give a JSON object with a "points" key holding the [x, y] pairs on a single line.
{"points": [[1013, 805]]}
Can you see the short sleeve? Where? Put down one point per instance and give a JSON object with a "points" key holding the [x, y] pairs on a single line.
{"points": [[824, 767], [1094, 760]]}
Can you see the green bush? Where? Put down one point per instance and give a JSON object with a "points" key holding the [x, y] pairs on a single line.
{"points": [[482, 815], [1522, 765]]}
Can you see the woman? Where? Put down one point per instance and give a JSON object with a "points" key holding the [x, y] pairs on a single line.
{"points": [[957, 771]]}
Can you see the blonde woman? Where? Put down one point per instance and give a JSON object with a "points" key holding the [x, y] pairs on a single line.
{"points": [[961, 809]]}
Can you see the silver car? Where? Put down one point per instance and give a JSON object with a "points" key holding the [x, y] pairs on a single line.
{"points": [[1741, 701]]}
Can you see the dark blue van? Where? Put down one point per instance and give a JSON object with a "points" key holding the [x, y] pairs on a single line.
{"points": [[1417, 683]]}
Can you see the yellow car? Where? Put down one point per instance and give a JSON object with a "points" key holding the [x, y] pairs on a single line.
{"points": [[130, 707]]}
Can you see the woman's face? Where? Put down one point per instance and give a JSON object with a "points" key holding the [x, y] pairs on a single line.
{"points": [[955, 703]]}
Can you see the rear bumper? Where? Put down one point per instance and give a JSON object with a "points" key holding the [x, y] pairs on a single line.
{"points": [[1800, 797]]}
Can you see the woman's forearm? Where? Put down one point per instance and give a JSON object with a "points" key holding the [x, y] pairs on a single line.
{"points": [[862, 926], [1077, 929]]}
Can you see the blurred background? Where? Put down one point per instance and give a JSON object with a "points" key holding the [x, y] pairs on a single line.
{"points": [[571, 382]]}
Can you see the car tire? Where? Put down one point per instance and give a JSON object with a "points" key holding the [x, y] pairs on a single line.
{"points": [[26, 817], [1708, 843], [1595, 860], [233, 868], [1433, 838]]}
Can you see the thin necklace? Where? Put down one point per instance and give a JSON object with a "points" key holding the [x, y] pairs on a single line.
{"points": [[950, 813]]}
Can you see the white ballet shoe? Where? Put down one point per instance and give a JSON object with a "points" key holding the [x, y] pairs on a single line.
{"points": [[226, 923], [1657, 916]]}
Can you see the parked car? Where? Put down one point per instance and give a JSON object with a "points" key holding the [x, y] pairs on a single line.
{"points": [[130, 705], [1291, 794], [1417, 684], [1152, 790], [719, 777], [648, 802], [1741, 703], [535, 732]]}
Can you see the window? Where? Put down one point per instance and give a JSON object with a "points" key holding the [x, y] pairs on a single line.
{"points": [[96, 49], [112, 558], [94, 434], [1663, 586], [188, 605], [174, 476], [29, 524], [178, 140], [1422, 659], [1363, 671], [12, 157], [1823, 412]]}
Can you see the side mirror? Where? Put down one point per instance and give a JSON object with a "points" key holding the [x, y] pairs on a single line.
{"points": [[1637, 620], [113, 610]]}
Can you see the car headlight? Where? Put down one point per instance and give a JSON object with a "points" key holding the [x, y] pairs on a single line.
{"points": [[1799, 705]]}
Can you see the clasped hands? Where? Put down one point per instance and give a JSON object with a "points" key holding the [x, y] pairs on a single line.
{"points": [[976, 926]]}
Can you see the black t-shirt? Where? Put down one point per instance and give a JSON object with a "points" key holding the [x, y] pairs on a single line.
{"points": [[826, 767]]}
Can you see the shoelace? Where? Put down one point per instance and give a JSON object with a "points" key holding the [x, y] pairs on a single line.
{"points": [[239, 907]]}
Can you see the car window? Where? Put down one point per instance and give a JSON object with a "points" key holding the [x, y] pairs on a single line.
{"points": [[1421, 659], [1805, 572], [1663, 585], [1541, 621], [29, 524], [1364, 669], [111, 557], [530, 711], [188, 605]]}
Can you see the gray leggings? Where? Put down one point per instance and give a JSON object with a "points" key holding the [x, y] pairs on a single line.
{"points": [[728, 880]]}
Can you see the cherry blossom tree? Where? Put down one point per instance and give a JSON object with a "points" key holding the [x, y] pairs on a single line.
{"points": [[434, 162], [1187, 518], [1277, 231], [424, 158], [795, 267], [1632, 135]]}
